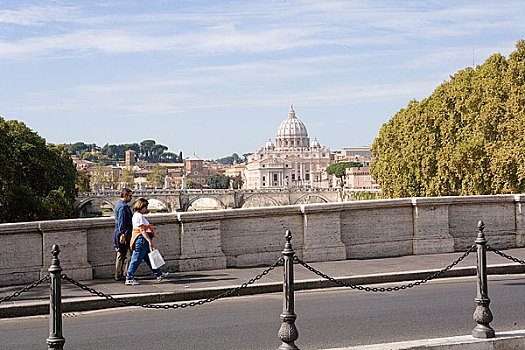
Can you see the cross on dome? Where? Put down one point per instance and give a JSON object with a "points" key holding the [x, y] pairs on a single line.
{"points": [[291, 113]]}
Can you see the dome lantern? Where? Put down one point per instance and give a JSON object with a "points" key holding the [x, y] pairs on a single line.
{"points": [[292, 132]]}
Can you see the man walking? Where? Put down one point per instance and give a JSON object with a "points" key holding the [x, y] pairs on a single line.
{"points": [[123, 228]]}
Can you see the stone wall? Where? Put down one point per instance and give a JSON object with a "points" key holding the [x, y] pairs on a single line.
{"points": [[251, 237]]}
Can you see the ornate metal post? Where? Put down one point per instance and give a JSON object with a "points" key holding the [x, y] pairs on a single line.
{"points": [[55, 339], [288, 332], [482, 314]]}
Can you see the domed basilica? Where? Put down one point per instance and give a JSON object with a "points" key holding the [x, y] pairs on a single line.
{"points": [[291, 162]]}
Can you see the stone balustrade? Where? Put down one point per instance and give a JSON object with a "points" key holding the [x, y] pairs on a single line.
{"points": [[248, 237]]}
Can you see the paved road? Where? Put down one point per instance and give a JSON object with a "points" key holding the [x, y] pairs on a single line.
{"points": [[326, 318]]}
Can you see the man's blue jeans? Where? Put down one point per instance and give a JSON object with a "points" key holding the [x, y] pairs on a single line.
{"points": [[140, 252]]}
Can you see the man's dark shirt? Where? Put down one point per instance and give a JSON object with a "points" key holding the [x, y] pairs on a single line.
{"points": [[123, 223]]}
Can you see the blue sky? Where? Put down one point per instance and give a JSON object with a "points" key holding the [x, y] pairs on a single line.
{"points": [[217, 77]]}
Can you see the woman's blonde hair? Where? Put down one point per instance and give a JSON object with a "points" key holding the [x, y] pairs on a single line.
{"points": [[140, 204]]}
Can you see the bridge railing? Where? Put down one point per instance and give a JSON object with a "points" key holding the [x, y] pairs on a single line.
{"points": [[213, 191]]}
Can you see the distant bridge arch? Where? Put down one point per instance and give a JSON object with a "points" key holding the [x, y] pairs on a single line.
{"points": [[151, 200], [311, 198], [93, 205], [182, 200], [260, 200], [195, 200]]}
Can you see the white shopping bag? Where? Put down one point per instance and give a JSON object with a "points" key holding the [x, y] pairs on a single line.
{"points": [[156, 259]]}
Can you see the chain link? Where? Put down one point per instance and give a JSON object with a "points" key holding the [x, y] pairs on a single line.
{"points": [[505, 255], [26, 289], [386, 289], [173, 306]]}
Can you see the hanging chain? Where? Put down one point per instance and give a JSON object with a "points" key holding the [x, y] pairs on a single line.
{"points": [[26, 289], [387, 289], [174, 306], [505, 255]]}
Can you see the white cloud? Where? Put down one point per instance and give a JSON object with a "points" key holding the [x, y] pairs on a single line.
{"points": [[252, 29], [37, 15]]}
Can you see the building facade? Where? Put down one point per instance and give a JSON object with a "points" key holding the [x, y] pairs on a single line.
{"points": [[292, 162]]}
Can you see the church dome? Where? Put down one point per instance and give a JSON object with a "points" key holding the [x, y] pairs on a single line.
{"points": [[315, 143], [269, 144], [292, 127]]}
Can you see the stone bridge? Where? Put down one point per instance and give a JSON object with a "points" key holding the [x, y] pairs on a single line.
{"points": [[187, 200]]}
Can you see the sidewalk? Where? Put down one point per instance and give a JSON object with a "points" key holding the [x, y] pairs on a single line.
{"points": [[183, 286]]}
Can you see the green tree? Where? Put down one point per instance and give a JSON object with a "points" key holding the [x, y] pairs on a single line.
{"points": [[128, 176], [107, 177], [234, 158], [192, 184], [218, 181], [33, 175], [168, 157], [78, 148], [83, 181], [157, 151], [467, 138], [339, 169], [89, 156], [237, 182], [157, 176], [146, 147]]}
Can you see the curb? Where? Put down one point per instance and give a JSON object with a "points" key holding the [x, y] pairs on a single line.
{"points": [[97, 303], [503, 340]]}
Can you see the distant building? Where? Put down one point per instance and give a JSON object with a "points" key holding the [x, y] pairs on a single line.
{"points": [[82, 164], [364, 152], [198, 170], [130, 158], [360, 178], [291, 162], [269, 172]]}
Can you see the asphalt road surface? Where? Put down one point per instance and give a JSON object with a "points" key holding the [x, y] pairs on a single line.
{"points": [[326, 319]]}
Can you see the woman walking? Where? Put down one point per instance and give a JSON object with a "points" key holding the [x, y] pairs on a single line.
{"points": [[141, 243]]}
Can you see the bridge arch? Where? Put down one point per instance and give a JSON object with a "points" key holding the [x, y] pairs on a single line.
{"points": [[311, 198], [220, 204], [95, 206], [260, 200], [152, 202], [85, 201]]}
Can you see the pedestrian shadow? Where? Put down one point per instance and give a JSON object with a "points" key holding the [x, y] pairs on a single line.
{"points": [[196, 278], [514, 283]]}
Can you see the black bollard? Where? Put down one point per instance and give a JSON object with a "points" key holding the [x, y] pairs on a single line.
{"points": [[482, 314], [288, 332], [55, 339]]}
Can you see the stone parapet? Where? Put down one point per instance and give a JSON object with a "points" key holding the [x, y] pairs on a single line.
{"points": [[520, 220], [254, 236], [431, 231], [327, 246]]}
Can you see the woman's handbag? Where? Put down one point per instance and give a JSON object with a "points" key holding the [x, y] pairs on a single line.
{"points": [[156, 259]]}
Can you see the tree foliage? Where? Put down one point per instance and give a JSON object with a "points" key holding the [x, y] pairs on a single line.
{"points": [[157, 176], [83, 183], [218, 181], [233, 159], [37, 181], [192, 184], [128, 176], [107, 177], [237, 182], [467, 138], [339, 169], [147, 150]]}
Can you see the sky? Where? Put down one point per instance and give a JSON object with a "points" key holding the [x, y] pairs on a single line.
{"points": [[216, 77]]}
